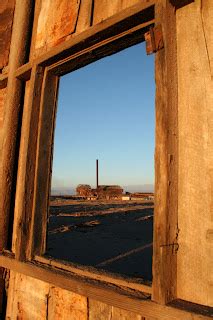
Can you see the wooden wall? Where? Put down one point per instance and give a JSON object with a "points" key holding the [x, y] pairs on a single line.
{"points": [[56, 21], [36, 300]]}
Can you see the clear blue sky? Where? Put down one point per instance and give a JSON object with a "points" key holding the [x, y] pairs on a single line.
{"points": [[106, 112]]}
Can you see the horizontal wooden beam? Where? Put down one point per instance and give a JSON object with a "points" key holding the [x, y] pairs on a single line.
{"points": [[111, 295], [101, 49], [24, 72], [96, 275]]}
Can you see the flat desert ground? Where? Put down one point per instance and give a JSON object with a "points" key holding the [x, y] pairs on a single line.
{"points": [[113, 236]]}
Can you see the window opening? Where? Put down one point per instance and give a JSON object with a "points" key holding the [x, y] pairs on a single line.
{"points": [[105, 112]]}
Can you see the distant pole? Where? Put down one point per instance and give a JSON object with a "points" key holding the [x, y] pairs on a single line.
{"points": [[97, 173]]}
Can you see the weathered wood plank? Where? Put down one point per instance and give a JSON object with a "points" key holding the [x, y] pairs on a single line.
{"points": [[106, 294], [43, 165], [105, 9], [28, 298], [63, 305], [195, 87], [128, 3], [85, 16], [166, 160], [92, 273], [56, 20], [26, 167], [99, 310], [18, 215], [122, 314], [33, 51], [6, 18], [11, 292]]}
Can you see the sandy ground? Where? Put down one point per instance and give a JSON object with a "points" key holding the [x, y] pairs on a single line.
{"points": [[114, 236]]}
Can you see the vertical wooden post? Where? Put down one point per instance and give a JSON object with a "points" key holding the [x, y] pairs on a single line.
{"points": [[37, 243], [33, 51], [26, 166], [166, 160], [18, 55]]}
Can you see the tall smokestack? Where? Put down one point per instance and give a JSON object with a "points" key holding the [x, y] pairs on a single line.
{"points": [[97, 173]]}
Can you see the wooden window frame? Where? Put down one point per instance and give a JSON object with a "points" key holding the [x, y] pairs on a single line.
{"points": [[32, 194]]}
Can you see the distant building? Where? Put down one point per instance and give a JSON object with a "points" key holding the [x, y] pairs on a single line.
{"points": [[109, 192], [84, 190], [142, 196]]}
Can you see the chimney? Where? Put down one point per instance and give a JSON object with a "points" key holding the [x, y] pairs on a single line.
{"points": [[97, 173]]}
